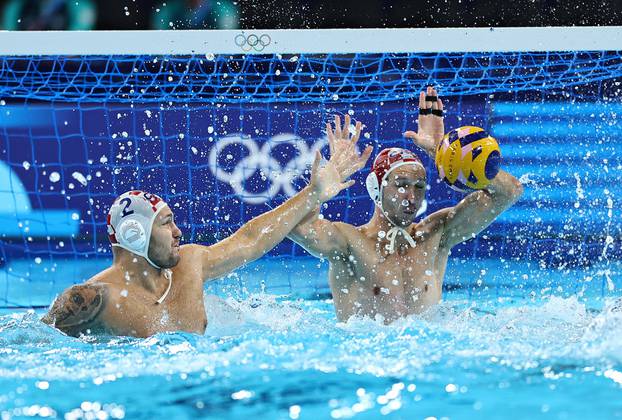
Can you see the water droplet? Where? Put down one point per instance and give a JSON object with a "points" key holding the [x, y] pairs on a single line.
{"points": [[79, 177]]}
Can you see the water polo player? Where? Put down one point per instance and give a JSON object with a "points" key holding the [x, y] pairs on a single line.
{"points": [[393, 266], [156, 285]]}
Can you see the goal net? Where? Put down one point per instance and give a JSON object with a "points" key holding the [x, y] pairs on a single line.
{"points": [[223, 125]]}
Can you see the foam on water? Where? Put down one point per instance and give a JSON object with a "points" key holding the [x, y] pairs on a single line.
{"points": [[454, 348], [304, 334]]}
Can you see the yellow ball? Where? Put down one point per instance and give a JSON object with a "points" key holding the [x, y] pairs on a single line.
{"points": [[468, 158]]}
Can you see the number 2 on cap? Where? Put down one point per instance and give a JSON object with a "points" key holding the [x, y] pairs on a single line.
{"points": [[126, 211]]}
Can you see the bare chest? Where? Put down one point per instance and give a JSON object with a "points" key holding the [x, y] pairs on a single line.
{"points": [[405, 262], [410, 271], [136, 312], [406, 281]]}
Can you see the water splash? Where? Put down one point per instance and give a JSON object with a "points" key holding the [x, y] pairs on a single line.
{"points": [[264, 351]]}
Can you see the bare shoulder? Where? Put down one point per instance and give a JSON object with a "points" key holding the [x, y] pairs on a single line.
{"points": [[433, 223], [191, 249], [193, 254], [78, 307], [192, 265], [347, 229], [192, 258], [350, 232]]}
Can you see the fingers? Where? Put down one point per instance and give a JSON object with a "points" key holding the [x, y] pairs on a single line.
{"points": [[365, 156], [434, 103], [430, 104], [349, 183], [362, 159], [338, 132], [354, 163], [412, 135], [346, 126], [316, 162], [329, 131], [346, 184], [331, 138], [357, 132], [342, 132]]}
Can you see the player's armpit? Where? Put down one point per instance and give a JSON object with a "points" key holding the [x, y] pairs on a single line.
{"points": [[77, 308], [321, 238]]}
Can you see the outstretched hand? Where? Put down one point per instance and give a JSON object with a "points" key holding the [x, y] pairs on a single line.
{"points": [[431, 126], [344, 160]]}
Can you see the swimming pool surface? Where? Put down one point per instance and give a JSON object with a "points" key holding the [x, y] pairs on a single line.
{"points": [[509, 341]]}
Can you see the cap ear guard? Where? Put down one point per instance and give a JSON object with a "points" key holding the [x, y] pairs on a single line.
{"points": [[132, 235], [373, 189]]}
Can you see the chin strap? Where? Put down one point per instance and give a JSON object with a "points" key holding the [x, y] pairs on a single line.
{"points": [[169, 276], [392, 236]]}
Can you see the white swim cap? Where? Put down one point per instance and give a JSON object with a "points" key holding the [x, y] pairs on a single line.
{"points": [[386, 162], [130, 220]]}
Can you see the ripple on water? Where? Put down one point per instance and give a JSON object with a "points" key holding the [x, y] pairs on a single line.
{"points": [[266, 355], [268, 332]]}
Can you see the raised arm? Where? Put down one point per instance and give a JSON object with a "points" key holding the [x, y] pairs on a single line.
{"points": [[320, 237], [478, 209], [256, 237], [262, 233]]}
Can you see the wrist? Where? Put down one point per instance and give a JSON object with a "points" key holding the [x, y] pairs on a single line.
{"points": [[427, 143], [314, 194]]}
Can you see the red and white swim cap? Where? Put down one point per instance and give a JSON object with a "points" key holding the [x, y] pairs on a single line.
{"points": [[130, 220], [386, 162]]}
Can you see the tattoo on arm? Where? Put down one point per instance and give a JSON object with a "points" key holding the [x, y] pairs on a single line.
{"points": [[76, 308]]}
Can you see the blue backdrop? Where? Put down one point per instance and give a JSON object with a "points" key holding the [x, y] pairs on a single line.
{"points": [[225, 138], [220, 165]]}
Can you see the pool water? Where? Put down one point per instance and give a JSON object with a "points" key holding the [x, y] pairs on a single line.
{"points": [[493, 349]]}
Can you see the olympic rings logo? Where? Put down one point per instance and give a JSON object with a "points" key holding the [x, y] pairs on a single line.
{"points": [[252, 42], [261, 160]]}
